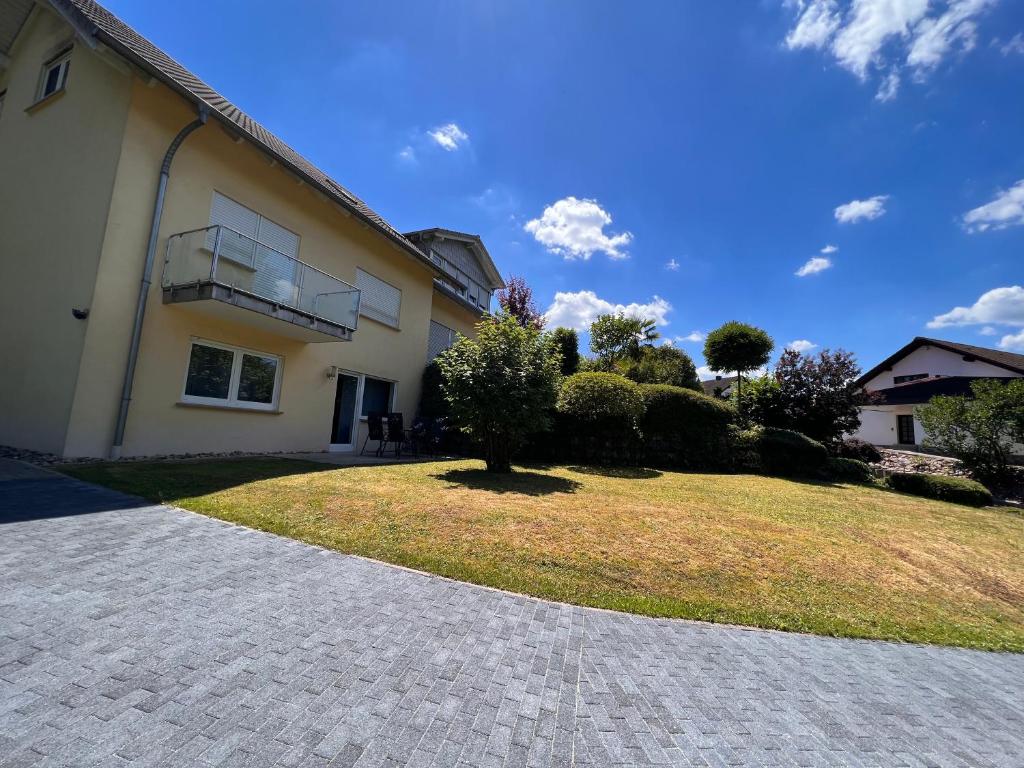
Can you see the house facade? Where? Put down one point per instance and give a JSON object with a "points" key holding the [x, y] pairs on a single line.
{"points": [[918, 372], [279, 309]]}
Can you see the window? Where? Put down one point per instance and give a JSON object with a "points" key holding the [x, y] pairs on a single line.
{"points": [[55, 75], [441, 337], [379, 301], [222, 375], [377, 396], [905, 430], [909, 377], [2, 95]]}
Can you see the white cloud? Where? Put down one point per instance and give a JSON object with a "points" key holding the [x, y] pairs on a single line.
{"points": [[875, 36], [693, 336], [829, 249], [1014, 45], [818, 21], [704, 373], [1014, 343], [574, 228], [988, 330], [934, 37], [672, 265], [855, 210], [801, 345], [1006, 209], [578, 310], [449, 137], [407, 154], [814, 266], [889, 87], [1001, 306]]}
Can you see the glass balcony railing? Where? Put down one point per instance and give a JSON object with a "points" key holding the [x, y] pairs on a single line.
{"points": [[221, 256]]}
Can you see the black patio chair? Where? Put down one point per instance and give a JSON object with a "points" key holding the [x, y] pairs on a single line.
{"points": [[375, 431], [395, 433]]}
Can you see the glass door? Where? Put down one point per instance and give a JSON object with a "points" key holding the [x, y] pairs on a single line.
{"points": [[343, 426]]}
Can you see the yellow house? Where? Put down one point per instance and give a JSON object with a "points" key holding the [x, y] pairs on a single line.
{"points": [[175, 279]]}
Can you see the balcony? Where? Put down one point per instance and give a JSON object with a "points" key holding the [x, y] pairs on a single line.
{"points": [[226, 274]]}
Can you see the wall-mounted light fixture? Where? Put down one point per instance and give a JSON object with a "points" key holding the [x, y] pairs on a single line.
{"points": [[332, 372], [79, 314]]}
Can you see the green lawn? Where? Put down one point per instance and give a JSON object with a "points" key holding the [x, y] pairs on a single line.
{"points": [[831, 559]]}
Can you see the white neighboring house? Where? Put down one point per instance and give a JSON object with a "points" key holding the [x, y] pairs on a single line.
{"points": [[916, 373]]}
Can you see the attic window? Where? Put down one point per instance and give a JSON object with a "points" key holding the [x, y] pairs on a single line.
{"points": [[55, 75], [909, 377], [970, 359]]}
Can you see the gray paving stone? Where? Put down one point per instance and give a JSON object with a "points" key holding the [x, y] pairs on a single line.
{"points": [[138, 635]]}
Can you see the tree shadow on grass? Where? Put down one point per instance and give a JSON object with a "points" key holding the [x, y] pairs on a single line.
{"points": [[522, 482], [626, 473]]}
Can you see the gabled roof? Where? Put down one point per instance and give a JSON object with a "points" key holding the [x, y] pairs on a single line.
{"points": [[1009, 361], [922, 390], [710, 385], [98, 25], [474, 241]]}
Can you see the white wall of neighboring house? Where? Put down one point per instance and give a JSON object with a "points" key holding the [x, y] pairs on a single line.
{"points": [[934, 362], [878, 424]]}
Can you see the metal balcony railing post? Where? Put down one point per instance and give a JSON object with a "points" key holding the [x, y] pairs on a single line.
{"points": [[216, 254]]}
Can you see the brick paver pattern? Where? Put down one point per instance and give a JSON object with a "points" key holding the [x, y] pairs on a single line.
{"points": [[143, 635]]}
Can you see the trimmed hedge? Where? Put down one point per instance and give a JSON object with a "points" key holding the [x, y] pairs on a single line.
{"points": [[861, 450], [685, 429], [599, 416], [788, 453], [848, 470], [958, 490], [744, 451]]}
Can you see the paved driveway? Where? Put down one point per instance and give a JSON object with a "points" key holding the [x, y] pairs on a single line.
{"points": [[141, 635]]}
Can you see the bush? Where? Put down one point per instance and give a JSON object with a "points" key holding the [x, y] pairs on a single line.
{"points": [[685, 429], [958, 490], [849, 470], [861, 450], [744, 453], [788, 453], [433, 404], [599, 415]]}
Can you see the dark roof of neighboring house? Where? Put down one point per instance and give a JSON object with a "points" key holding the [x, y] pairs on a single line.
{"points": [[417, 236], [1010, 361], [923, 390], [720, 384], [95, 24]]}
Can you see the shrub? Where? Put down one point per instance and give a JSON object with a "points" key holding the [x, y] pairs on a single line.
{"points": [[500, 386], [433, 404], [849, 470], [602, 399], [744, 453], [861, 450], [788, 453], [599, 415], [959, 490], [685, 429]]}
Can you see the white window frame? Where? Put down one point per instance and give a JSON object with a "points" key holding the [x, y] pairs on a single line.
{"points": [[367, 310], [232, 401], [60, 62]]}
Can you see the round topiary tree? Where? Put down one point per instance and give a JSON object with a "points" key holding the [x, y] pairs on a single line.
{"points": [[737, 347]]}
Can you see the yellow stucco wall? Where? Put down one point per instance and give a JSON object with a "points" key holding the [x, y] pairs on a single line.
{"points": [[57, 168], [211, 160]]}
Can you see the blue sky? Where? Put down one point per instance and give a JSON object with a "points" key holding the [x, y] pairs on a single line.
{"points": [[683, 158]]}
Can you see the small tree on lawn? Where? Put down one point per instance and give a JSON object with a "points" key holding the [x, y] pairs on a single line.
{"points": [[818, 394], [501, 386], [979, 430], [737, 347], [567, 342], [621, 337], [516, 299]]}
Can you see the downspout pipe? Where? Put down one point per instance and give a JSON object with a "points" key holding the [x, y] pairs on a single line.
{"points": [[147, 279]]}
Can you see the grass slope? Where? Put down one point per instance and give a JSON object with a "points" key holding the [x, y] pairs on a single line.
{"points": [[841, 560]]}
